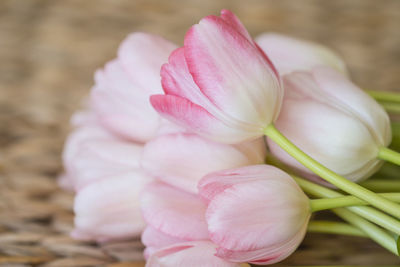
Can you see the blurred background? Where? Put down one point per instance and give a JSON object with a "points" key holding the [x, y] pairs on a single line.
{"points": [[49, 50]]}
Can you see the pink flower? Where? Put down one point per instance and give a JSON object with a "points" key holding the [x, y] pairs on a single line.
{"points": [[334, 122], [220, 84], [195, 253], [256, 214], [121, 94], [104, 172], [182, 160], [289, 54]]}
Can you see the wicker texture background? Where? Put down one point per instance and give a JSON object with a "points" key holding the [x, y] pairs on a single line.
{"points": [[49, 50]]}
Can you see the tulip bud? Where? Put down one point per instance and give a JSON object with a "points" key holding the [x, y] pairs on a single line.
{"points": [[104, 172], [220, 84], [289, 54], [255, 214], [334, 122], [182, 160], [120, 96]]}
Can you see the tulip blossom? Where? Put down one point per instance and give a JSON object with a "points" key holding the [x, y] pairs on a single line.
{"points": [[195, 253], [255, 214], [220, 84], [105, 173], [290, 54], [122, 89], [334, 122], [108, 209], [183, 159]]}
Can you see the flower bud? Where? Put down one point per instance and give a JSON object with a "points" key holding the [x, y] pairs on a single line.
{"points": [[220, 84], [255, 214], [334, 122]]}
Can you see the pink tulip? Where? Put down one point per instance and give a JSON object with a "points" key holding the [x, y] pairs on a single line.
{"points": [[105, 173], [334, 122], [173, 212], [220, 84], [256, 214], [121, 94], [109, 208], [182, 160], [195, 253], [290, 54]]}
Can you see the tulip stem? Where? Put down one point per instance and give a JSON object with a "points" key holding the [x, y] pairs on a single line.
{"points": [[391, 107], [380, 185], [368, 213], [346, 201], [350, 215], [389, 155], [384, 96], [330, 176], [339, 228], [374, 232]]}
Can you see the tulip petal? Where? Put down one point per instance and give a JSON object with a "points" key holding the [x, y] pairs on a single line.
{"points": [[235, 23], [142, 56], [182, 111], [182, 160], [109, 209], [121, 94], [77, 137], [290, 54], [155, 240], [174, 212], [199, 253], [355, 101], [122, 107], [97, 159]]}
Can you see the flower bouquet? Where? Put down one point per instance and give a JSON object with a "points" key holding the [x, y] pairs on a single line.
{"points": [[219, 152]]}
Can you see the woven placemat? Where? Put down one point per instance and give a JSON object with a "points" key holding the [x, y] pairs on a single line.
{"points": [[49, 51]]}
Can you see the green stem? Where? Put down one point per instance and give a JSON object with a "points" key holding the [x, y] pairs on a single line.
{"points": [[330, 176], [375, 233], [378, 185], [389, 155], [369, 213], [349, 214], [388, 171], [346, 201], [385, 96], [328, 227], [391, 107]]}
